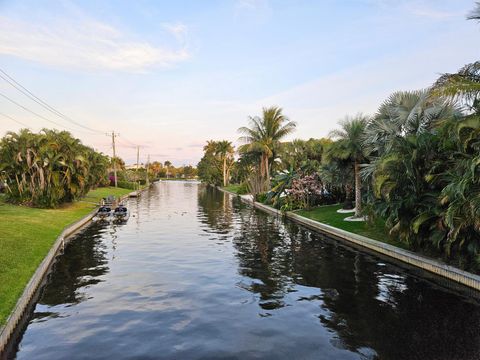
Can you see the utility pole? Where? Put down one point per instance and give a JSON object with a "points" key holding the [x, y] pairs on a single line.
{"points": [[147, 166], [138, 156], [114, 158]]}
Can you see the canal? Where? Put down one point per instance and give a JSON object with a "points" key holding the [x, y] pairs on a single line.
{"points": [[196, 274]]}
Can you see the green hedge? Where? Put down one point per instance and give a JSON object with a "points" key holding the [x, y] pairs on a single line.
{"points": [[127, 185]]}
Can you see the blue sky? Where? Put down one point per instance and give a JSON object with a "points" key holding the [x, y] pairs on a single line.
{"points": [[170, 75]]}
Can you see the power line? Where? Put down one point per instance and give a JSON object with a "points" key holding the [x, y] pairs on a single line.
{"points": [[125, 144], [33, 112], [15, 84], [15, 120], [12, 82], [128, 141]]}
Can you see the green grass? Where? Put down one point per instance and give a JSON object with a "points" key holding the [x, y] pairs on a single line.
{"points": [[328, 215], [235, 188], [26, 236]]}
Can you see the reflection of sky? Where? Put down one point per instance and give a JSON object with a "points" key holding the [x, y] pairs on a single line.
{"points": [[196, 274], [389, 284], [171, 75]]}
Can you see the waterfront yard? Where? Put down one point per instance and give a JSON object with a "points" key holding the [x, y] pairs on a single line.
{"points": [[328, 215], [238, 189], [26, 236]]}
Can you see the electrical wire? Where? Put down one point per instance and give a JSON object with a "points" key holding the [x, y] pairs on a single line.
{"points": [[12, 82], [33, 112], [15, 120]]}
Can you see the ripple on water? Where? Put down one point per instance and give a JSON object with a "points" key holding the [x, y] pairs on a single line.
{"points": [[195, 274]]}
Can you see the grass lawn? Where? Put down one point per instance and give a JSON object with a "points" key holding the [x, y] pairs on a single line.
{"points": [[328, 215], [26, 236], [235, 188]]}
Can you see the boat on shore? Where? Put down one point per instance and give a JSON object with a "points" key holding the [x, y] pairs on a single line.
{"points": [[121, 213], [104, 212]]}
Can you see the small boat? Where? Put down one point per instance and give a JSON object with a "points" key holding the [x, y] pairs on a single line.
{"points": [[104, 212], [121, 213]]}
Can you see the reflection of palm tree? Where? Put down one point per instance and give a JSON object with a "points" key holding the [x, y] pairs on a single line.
{"points": [[215, 209]]}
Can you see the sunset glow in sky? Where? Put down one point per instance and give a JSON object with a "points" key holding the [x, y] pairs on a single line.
{"points": [[169, 75]]}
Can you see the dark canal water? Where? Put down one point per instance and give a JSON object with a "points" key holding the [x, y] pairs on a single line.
{"points": [[195, 274]]}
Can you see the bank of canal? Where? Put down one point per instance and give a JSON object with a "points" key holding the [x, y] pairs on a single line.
{"points": [[197, 274]]}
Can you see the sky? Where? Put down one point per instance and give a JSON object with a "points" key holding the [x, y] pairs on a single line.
{"points": [[170, 75]]}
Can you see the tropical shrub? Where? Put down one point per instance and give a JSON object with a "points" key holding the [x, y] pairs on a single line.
{"points": [[127, 184], [48, 168]]}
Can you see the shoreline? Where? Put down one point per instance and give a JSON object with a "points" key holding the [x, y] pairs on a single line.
{"points": [[16, 319], [431, 266]]}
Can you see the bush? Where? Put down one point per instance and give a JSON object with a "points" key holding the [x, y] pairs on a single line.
{"points": [[127, 185], [48, 168], [261, 198], [242, 189]]}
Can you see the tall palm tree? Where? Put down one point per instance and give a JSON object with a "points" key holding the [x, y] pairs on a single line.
{"points": [[263, 137], [350, 145], [167, 165], [225, 151], [404, 113]]}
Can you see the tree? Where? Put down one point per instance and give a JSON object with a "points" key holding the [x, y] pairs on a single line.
{"points": [[225, 151], [350, 145], [48, 168], [209, 166], [156, 167], [263, 138], [189, 171], [167, 166], [217, 162], [465, 84]]}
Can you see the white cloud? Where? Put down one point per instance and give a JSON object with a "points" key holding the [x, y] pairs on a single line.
{"points": [[432, 13], [179, 30], [258, 10], [431, 9], [86, 44], [251, 4]]}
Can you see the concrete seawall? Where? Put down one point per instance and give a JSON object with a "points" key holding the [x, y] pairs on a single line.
{"points": [[17, 316], [419, 261]]}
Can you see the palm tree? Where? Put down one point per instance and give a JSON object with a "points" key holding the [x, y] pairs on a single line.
{"points": [[350, 145], [463, 84], [167, 165], [263, 137], [48, 168], [225, 151]]}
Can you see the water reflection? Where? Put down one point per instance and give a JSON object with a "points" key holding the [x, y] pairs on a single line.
{"points": [[215, 210], [82, 266], [372, 309], [195, 274]]}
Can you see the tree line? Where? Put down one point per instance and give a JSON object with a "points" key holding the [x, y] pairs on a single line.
{"points": [[52, 167], [49, 168], [415, 163]]}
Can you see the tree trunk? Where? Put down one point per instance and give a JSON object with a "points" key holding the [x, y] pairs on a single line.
{"points": [[358, 191], [229, 168], [225, 171], [267, 173], [348, 203]]}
